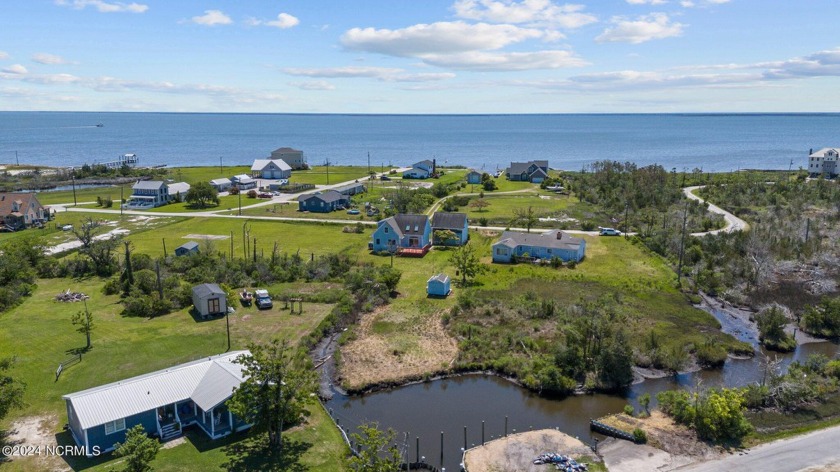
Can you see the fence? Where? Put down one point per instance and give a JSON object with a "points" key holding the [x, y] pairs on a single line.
{"points": [[75, 359]]}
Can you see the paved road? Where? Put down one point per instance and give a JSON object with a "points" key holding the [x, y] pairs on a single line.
{"points": [[733, 223], [788, 455]]}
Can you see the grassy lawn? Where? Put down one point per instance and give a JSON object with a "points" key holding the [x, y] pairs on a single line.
{"points": [[192, 175], [225, 202], [52, 235], [317, 175], [39, 333], [502, 209], [85, 195]]}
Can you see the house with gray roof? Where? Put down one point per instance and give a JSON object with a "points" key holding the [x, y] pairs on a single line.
{"points": [[163, 402], [457, 223], [351, 189], [438, 285], [404, 234], [190, 247], [178, 191], [293, 157], [531, 171], [420, 170], [473, 177], [323, 202], [147, 194], [549, 245], [221, 185], [824, 162]]}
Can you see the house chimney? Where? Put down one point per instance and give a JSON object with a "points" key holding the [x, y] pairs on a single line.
{"points": [[434, 165], [811, 151], [559, 235]]}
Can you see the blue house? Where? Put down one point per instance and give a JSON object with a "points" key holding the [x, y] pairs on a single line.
{"points": [[438, 286], [531, 171], [546, 246], [147, 194], [473, 177], [455, 222], [323, 202], [420, 170], [190, 247], [404, 234], [164, 402]]}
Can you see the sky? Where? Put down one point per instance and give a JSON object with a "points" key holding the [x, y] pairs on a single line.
{"points": [[420, 56]]}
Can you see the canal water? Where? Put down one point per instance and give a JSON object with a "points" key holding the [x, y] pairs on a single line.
{"points": [[427, 410]]}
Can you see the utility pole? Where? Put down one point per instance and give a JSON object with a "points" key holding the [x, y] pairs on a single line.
{"points": [[327, 163], [17, 162], [240, 202], [221, 169], [121, 201], [626, 222], [73, 179], [227, 324], [368, 161]]}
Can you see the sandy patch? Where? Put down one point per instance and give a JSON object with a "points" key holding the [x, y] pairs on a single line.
{"points": [[624, 456], [211, 237], [37, 431], [516, 453], [174, 442], [76, 244], [416, 349], [831, 467]]}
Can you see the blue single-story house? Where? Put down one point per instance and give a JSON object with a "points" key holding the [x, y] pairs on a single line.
{"points": [[473, 177], [554, 243], [531, 171], [455, 222], [438, 286], [323, 202], [420, 170], [404, 233], [190, 247], [164, 402]]}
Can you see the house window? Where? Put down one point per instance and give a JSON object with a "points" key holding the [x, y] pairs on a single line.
{"points": [[213, 305], [386, 230], [115, 426]]}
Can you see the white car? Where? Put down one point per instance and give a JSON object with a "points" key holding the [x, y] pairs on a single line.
{"points": [[609, 232]]}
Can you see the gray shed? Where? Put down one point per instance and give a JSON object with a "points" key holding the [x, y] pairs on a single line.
{"points": [[187, 248], [209, 300]]}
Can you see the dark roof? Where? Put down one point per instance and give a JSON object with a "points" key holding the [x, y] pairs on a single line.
{"points": [[23, 199], [205, 290], [190, 245], [425, 162], [327, 196], [149, 184], [442, 278], [285, 149], [444, 220], [520, 167], [551, 239], [408, 223]]}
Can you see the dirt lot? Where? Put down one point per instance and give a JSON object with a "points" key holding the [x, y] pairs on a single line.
{"points": [[517, 452], [416, 348], [36, 431], [669, 445]]}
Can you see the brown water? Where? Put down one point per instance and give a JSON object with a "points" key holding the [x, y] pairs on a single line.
{"points": [[425, 410]]}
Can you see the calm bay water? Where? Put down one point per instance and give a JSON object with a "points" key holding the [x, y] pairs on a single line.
{"points": [[715, 142]]}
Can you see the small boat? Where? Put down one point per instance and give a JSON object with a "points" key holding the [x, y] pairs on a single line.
{"points": [[246, 297], [100, 125]]}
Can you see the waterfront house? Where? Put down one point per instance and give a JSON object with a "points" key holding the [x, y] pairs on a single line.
{"points": [[243, 182], [351, 189], [190, 247], [473, 177], [209, 300], [323, 202], [148, 194], [271, 169], [438, 286], [178, 191], [531, 171], [420, 170], [455, 222], [405, 234], [21, 210], [823, 162], [163, 402], [221, 185], [293, 157], [546, 246]]}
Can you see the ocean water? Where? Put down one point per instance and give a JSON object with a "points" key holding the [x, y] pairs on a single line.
{"points": [[712, 142]]}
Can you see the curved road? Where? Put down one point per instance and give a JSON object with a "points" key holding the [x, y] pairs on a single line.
{"points": [[787, 455], [733, 223]]}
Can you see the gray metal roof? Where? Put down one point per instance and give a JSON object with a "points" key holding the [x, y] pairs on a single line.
{"points": [[352, 185], [148, 184], [327, 196], [407, 223], [204, 290], [205, 379], [261, 164], [444, 220], [190, 245], [551, 239], [178, 187], [222, 181], [442, 278]]}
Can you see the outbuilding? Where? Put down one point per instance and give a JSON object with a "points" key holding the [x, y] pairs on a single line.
{"points": [[438, 285], [209, 300], [190, 247]]}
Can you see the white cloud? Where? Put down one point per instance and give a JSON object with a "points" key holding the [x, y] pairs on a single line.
{"points": [[509, 61], [50, 59], [104, 7], [532, 12], [642, 29], [646, 2], [284, 21], [701, 3], [212, 18], [384, 74], [4, 55], [15, 69], [436, 38], [819, 64], [313, 85]]}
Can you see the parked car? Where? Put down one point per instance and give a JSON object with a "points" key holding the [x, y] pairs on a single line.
{"points": [[610, 232], [262, 299], [265, 195], [384, 177]]}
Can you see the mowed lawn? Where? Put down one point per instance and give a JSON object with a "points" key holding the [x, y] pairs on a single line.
{"points": [[39, 334]]}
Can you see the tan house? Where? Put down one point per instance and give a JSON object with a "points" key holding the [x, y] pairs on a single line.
{"points": [[290, 156], [20, 210]]}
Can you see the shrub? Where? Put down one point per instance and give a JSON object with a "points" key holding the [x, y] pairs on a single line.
{"points": [[482, 221], [252, 193], [587, 225], [112, 286], [639, 436], [629, 410]]}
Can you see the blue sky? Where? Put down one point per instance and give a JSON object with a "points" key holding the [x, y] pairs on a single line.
{"points": [[420, 56]]}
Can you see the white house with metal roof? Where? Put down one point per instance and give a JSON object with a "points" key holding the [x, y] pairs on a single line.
{"points": [[164, 402], [270, 169], [824, 162]]}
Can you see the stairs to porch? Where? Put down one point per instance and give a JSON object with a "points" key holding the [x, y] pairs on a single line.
{"points": [[169, 431]]}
